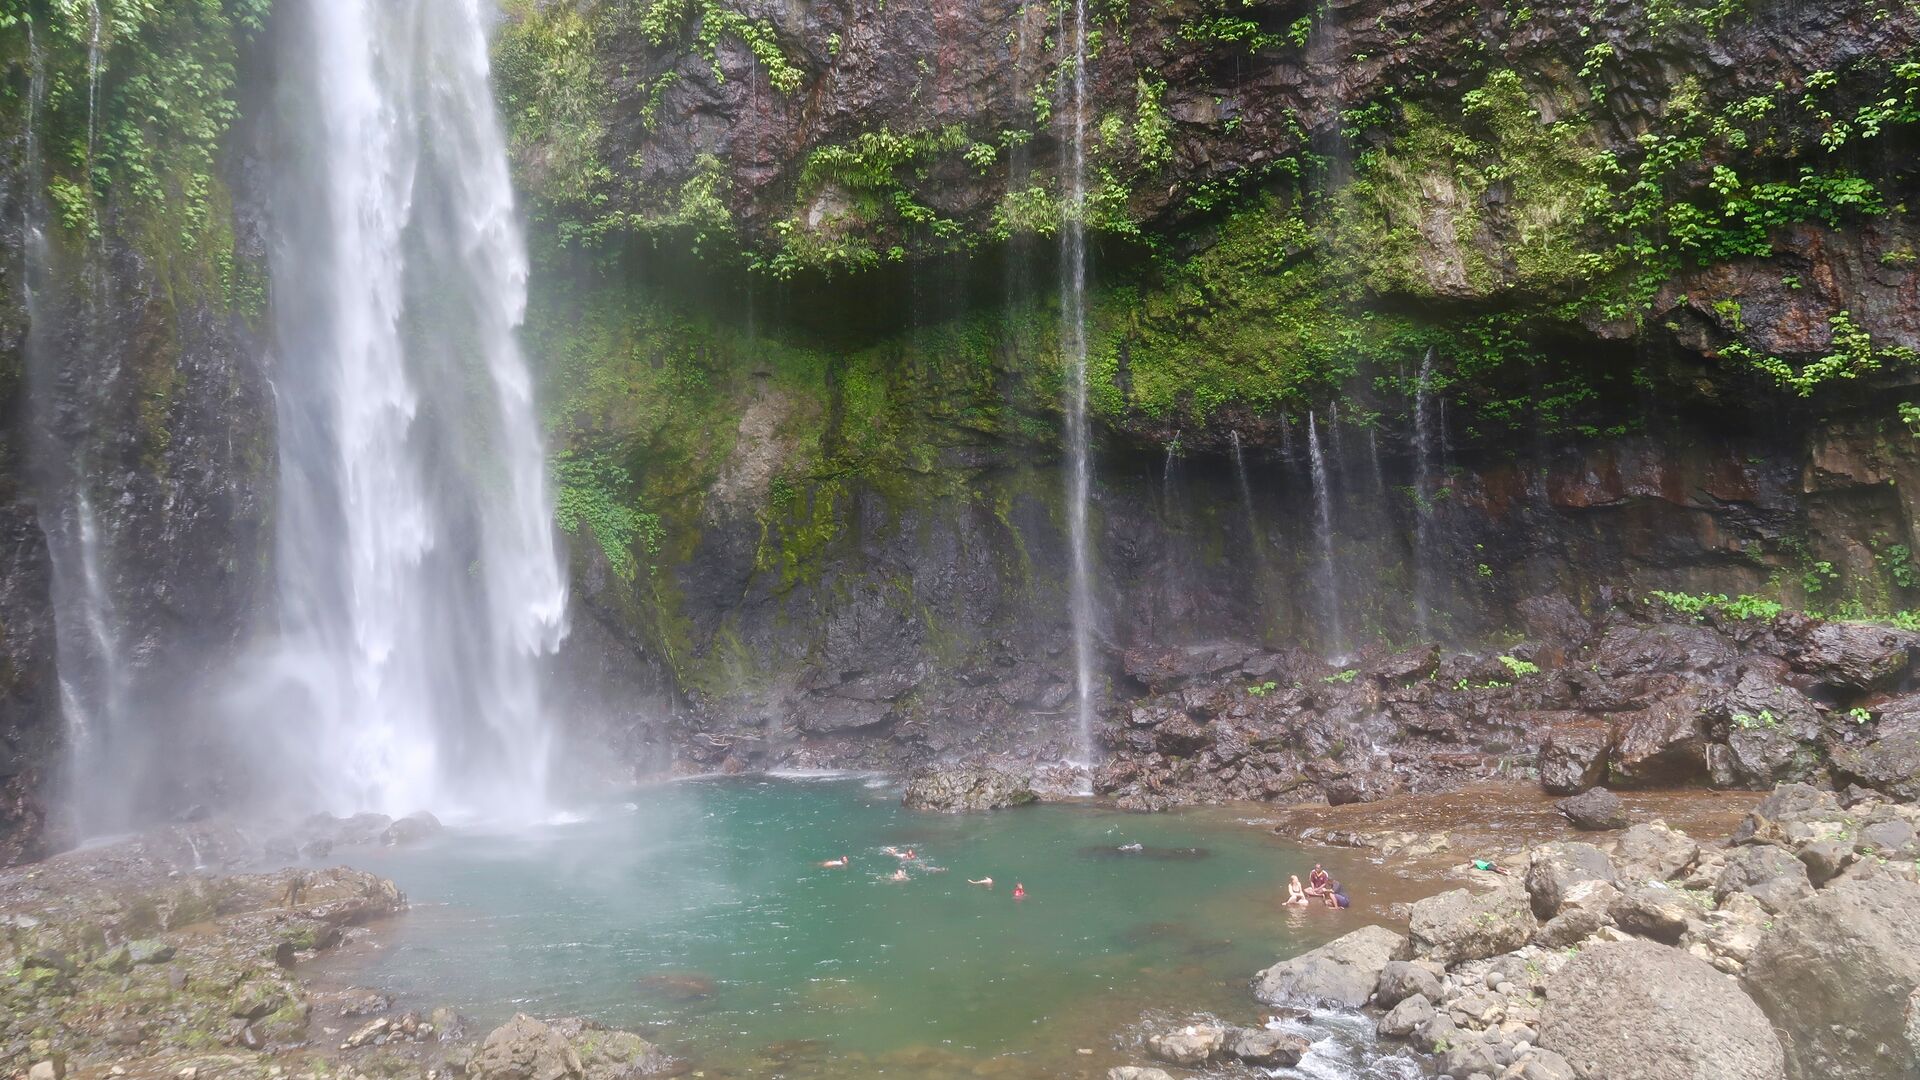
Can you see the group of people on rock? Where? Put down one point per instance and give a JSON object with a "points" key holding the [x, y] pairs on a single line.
{"points": [[1320, 886], [909, 855]]}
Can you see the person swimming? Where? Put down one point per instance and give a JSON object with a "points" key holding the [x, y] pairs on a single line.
{"points": [[987, 881], [898, 875], [835, 864], [1296, 896], [897, 853], [1019, 891]]}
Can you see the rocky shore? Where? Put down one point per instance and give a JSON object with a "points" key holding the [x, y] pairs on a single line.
{"points": [[1789, 951], [161, 956]]}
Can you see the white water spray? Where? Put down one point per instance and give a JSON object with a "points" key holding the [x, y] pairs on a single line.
{"points": [[1323, 529], [1073, 336], [1423, 496], [419, 579]]}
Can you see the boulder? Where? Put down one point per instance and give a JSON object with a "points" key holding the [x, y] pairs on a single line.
{"points": [[1195, 1044], [1826, 859], [1573, 756], [1596, 810], [1407, 1017], [525, 1049], [609, 1054], [1402, 979], [1586, 908], [1769, 874], [1344, 971], [1789, 805], [1272, 1049], [1469, 1057], [1552, 868], [1890, 839], [955, 789], [411, 829], [1854, 656], [1837, 973], [1662, 744], [1655, 911], [1637, 1010], [1889, 760], [1457, 926], [1653, 852], [1136, 1072]]}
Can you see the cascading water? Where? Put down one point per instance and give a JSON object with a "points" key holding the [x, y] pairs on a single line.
{"points": [[419, 579], [1246, 504], [1073, 337], [1423, 496], [1323, 530]]}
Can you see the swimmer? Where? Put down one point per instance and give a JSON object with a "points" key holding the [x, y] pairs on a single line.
{"points": [[898, 875], [987, 881], [1296, 896], [1019, 891], [835, 864], [899, 854]]}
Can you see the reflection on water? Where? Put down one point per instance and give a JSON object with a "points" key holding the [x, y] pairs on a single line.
{"points": [[699, 912]]}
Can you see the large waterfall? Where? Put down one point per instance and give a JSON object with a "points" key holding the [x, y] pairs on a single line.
{"points": [[419, 581]]}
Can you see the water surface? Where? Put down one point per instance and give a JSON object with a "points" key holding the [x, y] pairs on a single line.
{"points": [[698, 913]]}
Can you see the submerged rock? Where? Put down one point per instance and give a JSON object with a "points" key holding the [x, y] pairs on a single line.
{"points": [[954, 789]]}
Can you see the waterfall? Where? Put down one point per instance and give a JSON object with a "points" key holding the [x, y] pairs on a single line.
{"points": [[419, 582], [1422, 498], [93, 80], [1073, 335], [1323, 529], [1246, 505]]}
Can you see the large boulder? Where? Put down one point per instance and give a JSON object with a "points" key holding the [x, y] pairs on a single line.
{"points": [[1194, 1044], [1553, 868], [1573, 757], [1586, 908], [1637, 1010], [1653, 852], [1659, 745], [956, 789], [1838, 973], [1854, 656], [1402, 979], [1595, 810], [1457, 926], [1769, 874], [1344, 971], [567, 1049], [1888, 759], [1769, 732]]}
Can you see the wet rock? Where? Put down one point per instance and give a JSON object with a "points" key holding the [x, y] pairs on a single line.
{"points": [[1837, 974], [1653, 852], [256, 998], [1888, 759], [1402, 979], [1195, 1044], [1596, 810], [411, 829], [1789, 804], [1854, 656], [1637, 1010], [525, 1049], [954, 789], [1574, 756], [1659, 745], [610, 1054], [1553, 868], [1407, 1016], [1458, 925], [1271, 1049], [1769, 874], [1343, 971], [1136, 1072]]}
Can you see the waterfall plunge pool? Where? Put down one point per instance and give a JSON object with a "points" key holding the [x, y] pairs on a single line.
{"points": [[697, 915]]}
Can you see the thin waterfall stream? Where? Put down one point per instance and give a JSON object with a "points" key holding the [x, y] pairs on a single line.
{"points": [[1336, 637], [1073, 336]]}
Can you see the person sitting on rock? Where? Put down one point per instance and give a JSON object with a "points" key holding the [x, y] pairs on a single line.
{"points": [[1337, 897], [1296, 896], [1318, 881]]}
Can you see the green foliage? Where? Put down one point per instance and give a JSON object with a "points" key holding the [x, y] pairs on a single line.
{"points": [[1748, 606], [1860, 715], [554, 100], [1346, 676], [1897, 561], [1262, 689], [1818, 577], [1152, 129], [1688, 604], [1752, 722], [1519, 667], [709, 22], [593, 491]]}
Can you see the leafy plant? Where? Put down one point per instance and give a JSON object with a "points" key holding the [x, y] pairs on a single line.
{"points": [[1262, 689], [1748, 606], [1346, 676], [1519, 667]]}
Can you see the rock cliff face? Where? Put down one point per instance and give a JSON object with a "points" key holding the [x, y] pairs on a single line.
{"points": [[1583, 303]]}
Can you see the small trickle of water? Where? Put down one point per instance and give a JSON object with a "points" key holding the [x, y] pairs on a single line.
{"points": [[1323, 529], [93, 82], [1423, 450]]}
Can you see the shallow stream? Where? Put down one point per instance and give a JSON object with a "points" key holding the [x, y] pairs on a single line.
{"points": [[697, 913]]}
